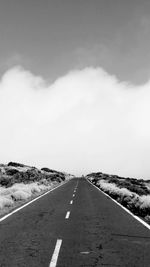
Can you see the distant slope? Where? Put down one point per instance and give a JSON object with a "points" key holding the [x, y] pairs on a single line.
{"points": [[20, 183], [132, 193]]}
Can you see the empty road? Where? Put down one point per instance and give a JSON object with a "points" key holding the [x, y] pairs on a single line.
{"points": [[75, 225]]}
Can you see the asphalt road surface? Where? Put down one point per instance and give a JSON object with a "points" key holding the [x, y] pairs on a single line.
{"points": [[73, 228]]}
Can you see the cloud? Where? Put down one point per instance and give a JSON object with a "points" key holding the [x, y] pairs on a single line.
{"points": [[85, 121]]}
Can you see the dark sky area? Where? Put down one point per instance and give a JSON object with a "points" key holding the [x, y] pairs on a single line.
{"points": [[87, 112], [51, 37]]}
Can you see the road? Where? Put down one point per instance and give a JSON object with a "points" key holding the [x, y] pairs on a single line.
{"points": [[73, 229]]}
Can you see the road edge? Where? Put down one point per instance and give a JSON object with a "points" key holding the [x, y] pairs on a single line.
{"points": [[124, 208], [31, 201]]}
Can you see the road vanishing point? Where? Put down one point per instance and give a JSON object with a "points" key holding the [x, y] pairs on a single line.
{"points": [[75, 225]]}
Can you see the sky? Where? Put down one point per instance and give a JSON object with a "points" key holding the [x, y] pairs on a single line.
{"points": [[52, 37], [74, 85]]}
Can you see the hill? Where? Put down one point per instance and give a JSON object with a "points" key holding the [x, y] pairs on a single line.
{"points": [[19, 183], [132, 193]]}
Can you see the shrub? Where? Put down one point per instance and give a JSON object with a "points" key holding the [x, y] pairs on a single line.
{"points": [[15, 164], [11, 171], [5, 202], [47, 170]]}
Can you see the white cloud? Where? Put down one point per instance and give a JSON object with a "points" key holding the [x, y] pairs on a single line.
{"points": [[85, 121]]}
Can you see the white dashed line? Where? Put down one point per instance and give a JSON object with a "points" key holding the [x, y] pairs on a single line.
{"points": [[73, 195], [71, 202], [28, 203], [67, 215], [56, 253]]}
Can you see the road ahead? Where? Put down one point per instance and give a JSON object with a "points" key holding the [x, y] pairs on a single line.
{"points": [[81, 228]]}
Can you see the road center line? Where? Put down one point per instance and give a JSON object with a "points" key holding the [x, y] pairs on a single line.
{"points": [[73, 195], [56, 253], [67, 215], [31, 201], [71, 202]]}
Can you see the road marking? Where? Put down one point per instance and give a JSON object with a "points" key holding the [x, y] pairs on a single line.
{"points": [[67, 215], [73, 195], [71, 202], [28, 203], [56, 253], [128, 211], [76, 185]]}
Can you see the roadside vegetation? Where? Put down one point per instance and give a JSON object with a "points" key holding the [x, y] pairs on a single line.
{"points": [[133, 194], [20, 183]]}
